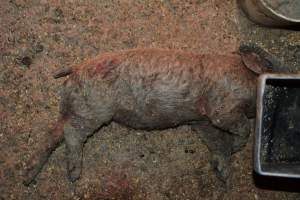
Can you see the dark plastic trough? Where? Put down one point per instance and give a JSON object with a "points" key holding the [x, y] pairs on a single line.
{"points": [[277, 142]]}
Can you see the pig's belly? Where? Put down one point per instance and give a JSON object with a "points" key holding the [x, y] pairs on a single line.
{"points": [[150, 119], [158, 104]]}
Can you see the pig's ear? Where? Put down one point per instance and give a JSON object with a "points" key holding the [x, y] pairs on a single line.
{"points": [[258, 60], [253, 62]]}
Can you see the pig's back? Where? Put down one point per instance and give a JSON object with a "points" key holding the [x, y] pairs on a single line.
{"points": [[186, 74]]}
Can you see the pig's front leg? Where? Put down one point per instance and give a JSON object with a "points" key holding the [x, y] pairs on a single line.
{"points": [[219, 143], [75, 136], [236, 123]]}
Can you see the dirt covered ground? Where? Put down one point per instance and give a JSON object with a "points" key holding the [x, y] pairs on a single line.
{"points": [[38, 37]]}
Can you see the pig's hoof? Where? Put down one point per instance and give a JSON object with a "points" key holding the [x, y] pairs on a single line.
{"points": [[29, 177], [74, 172], [30, 173], [221, 166]]}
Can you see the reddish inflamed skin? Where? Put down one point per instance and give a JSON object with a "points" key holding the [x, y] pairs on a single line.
{"points": [[156, 89]]}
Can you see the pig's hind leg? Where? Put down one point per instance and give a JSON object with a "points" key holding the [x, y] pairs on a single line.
{"points": [[219, 144], [48, 144], [88, 110], [76, 132]]}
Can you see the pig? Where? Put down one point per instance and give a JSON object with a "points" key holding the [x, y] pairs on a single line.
{"points": [[155, 89]]}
